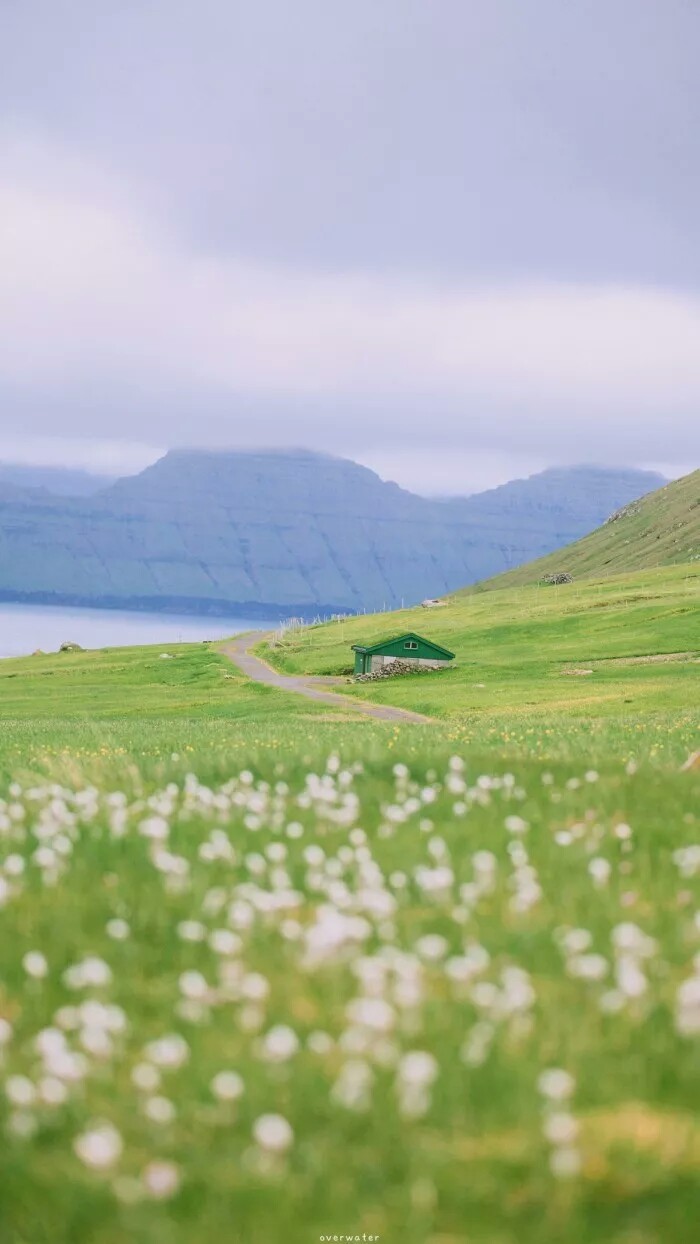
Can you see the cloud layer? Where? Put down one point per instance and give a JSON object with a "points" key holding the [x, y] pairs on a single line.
{"points": [[452, 242], [99, 299]]}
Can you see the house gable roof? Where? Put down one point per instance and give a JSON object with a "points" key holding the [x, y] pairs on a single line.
{"points": [[393, 639]]}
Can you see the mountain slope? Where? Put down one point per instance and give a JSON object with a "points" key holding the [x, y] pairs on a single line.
{"points": [[274, 533], [61, 481], [660, 529]]}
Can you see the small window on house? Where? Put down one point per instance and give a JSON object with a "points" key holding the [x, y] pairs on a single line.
{"points": [[410, 643]]}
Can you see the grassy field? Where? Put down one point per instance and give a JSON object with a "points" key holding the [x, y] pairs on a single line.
{"points": [[268, 973], [521, 655]]}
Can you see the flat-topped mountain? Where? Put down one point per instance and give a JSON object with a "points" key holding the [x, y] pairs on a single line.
{"points": [[271, 533]]}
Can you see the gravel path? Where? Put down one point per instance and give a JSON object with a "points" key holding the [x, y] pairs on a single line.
{"points": [[239, 651]]}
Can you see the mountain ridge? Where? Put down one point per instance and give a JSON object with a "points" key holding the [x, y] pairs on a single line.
{"points": [[270, 533], [57, 480]]}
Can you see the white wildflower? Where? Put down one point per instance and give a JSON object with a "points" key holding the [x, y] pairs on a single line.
{"points": [[556, 1084], [560, 1128], [372, 1013], [565, 1161], [161, 1180], [319, 1042], [688, 1006], [99, 1147], [35, 964], [89, 972], [622, 831], [169, 1052], [193, 985], [20, 1091], [432, 946], [227, 1086], [588, 967], [516, 825], [159, 1110], [273, 1133], [279, 1044], [418, 1068], [146, 1077], [600, 870], [191, 931], [52, 1091], [155, 827], [353, 1087], [225, 942]]}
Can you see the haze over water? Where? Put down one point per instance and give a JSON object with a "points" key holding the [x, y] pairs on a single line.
{"points": [[24, 628]]}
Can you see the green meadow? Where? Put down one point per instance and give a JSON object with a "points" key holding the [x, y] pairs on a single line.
{"points": [[609, 665], [273, 971]]}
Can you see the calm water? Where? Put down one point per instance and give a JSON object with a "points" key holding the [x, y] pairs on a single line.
{"points": [[24, 628]]}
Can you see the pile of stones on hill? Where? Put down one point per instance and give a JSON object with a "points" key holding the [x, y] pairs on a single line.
{"points": [[626, 511], [562, 577], [395, 669]]}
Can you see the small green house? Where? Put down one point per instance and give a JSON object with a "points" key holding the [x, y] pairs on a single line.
{"points": [[408, 647]]}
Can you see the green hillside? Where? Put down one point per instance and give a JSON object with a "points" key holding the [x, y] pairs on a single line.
{"points": [[661, 529]]}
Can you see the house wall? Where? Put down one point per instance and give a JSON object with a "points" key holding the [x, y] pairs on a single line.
{"points": [[378, 661]]}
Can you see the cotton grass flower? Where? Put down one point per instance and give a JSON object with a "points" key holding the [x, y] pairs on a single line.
{"points": [[35, 965], [193, 985], [170, 1052], [353, 1087], [146, 1077], [600, 870], [159, 1110], [191, 931], [477, 1046], [92, 972], [161, 1180], [279, 1044], [687, 1009], [273, 1133], [560, 1128], [227, 1086], [99, 1146], [555, 1084], [372, 1013], [516, 825], [565, 1161], [415, 1075], [52, 1091], [20, 1091]]}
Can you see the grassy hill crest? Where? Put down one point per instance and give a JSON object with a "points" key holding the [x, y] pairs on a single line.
{"points": [[660, 529]]}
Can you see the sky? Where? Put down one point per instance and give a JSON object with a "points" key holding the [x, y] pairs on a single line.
{"points": [[456, 240]]}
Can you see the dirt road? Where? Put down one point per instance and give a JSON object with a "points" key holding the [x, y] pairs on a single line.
{"points": [[239, 651]]}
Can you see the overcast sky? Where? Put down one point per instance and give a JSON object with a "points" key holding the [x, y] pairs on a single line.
{"points": [[456, 240]]}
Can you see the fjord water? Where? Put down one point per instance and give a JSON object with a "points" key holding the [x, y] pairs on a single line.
{"points": [[24, 628]]}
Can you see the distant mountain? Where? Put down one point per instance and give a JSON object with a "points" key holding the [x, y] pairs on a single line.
{"points": [[659, 529], [269, 534], [61, 481]]}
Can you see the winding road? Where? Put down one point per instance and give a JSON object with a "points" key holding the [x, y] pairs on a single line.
{"points": [[239, 651]]}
